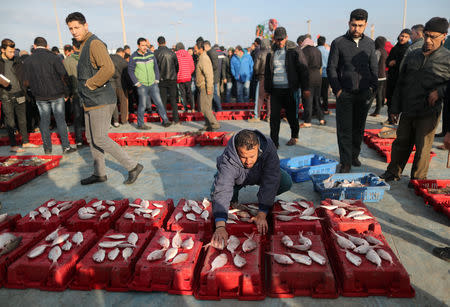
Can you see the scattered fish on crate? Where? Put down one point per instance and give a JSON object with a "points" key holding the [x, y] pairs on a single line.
{"points": [[110, 263], [192, 216], [292, 217], [46, 265], [300, 168]]}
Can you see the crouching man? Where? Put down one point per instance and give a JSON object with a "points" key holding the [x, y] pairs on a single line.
{"points": [[249, 159]]}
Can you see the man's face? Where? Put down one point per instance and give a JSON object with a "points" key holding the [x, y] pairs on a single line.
{"points": [[207, 47], [8, 52], [357, 27], [143, 47], [403, 38], [196, 50], [122, 54], [128, 51], [190, 51], [230, 52], [281, 42], [248, 157], [432, 41], [78, 30], [415, 35]]}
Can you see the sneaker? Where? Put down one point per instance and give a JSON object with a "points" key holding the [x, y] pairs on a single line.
{"points": [[254, 120], [133, 174], [93, 179], [166, 124], [69, 150], [143, 127], [291, 142], [442, 252], [388, 176]]}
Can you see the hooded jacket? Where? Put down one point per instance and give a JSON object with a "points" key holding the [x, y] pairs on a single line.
{"points": [[186, 64], [231, 172], [242, 68]]}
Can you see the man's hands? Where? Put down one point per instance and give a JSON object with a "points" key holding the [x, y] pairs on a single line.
{"points": [[220, 236], [392, 63], [447, 141], [338, 93], [261, 222], [209, 92], [432, 98]]}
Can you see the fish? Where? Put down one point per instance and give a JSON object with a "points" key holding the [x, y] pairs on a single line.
{"points": [[180, 258], [164, 242], [191, 202], [357, 240], [126, 253], [147, 216], [339, 203], [243, 214], [354, 213], [239, 261], [135, 205], [109, 244], [156, 254], [110, 202], [64, 203], [343, 242], [51, 203], [54, 254], [233, 217], [46, 215], [246, 220], [133, 238], [5, 238], [78, 238], [303, 259], [204, 215], [90, 210], [309, 211], [66, 207], [156, 205], [37, 251], [186, 208], [9, 245], [356, 260], [143, 210], [287, 241], [196, 209], [43, 209], [304, 240], [125, 245], [362, 217], [373, 257], [176, 240], [329, 207], [171, 253], [206, 203], [67, 246], [384, 255], [303, 204], [52, 236], [112, 209], [101, 208], [55, 211], [232, 243], [373, 240], [354, 208], [310, 218], [362, 249], [129, 216], [145, 204], [350, 201], [231, 222], [155, 212], [191, 217], [289, 208], [96, 204], [285, 218], [249, 244], [187, 244], [252, 206], [86, 216], [32, 215], [317, 257], [302, 247], [137, 212], [281, 259], [104, 215], [340, 212], [218, 262], [99, 255], [60, 239]]}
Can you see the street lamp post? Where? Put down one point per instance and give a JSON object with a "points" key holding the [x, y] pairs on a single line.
{"points": [[179, 22], [309, 26]]}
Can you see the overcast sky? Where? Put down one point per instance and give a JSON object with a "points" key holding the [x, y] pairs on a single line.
{"points": [[23, 20]]}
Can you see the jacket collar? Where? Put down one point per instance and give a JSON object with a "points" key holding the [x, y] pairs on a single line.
{"points": [[348, 36]]}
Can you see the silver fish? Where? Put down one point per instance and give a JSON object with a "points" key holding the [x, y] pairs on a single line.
{"points": [[96, 204], [156, 205], [281, 259], [55, 211], [249, 244], [43, 209], [304, 205], [104, 215], [285, 218], [289, 208], [186, 208], [304, 240], [125, 245], [126, 253], [339, 203], [357, 240], [110, 244], [46, 215], [54, 254], [329, 207], [302, 247], [362, 249], [343, 242], [191, 202], [112, 209], [310, 218], [64, 203], [78, 238], [8, 243], [135, 205], [147, 216], [143, 210], [218, 262], [373, 240], [156, 254], [309, 211], [254, 207], [37, 251], [110, 202], [353, 258], [196, 209], [101, 208], [155, 212], [187, 244], [171, 253], [116, 236], [133, 238], [233, 217], [99, 255], [362, 217], [137, 212], [60, 239], [86, 216], [5, 238], [191, 217], [340, 212], [206, 203], [65, 207], [303, 259], [283, 212], [384, 255], [239, 261], [232, 243], [243, 214], [67, 246], [317, 257], [129, 216], [180, 258], [178, 216], [52, 236], [145, 204], [51, 203], [176, 240], [90, 210], [205, 215], [373, 257], [287, 241], [164, 242], [32, 215]]}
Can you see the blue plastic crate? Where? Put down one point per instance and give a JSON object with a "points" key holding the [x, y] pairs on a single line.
{"points": [[372, 193], [300, 168]]}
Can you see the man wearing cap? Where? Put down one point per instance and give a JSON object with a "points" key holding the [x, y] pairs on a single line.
{"points": [[418, 97]]}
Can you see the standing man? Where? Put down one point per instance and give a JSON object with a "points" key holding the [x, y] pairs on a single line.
{"points": [[258, 69], [352, 72], [214, 57], [204, 79], [418, 98], [144, 74], [95, 68], [168, 70], [48, 81], [284, 75], [325, 83], [417, 39], [184, 76], [242, 70], [381, 54], [121, 84]]}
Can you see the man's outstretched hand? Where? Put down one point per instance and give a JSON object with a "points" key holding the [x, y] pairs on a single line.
{"points": [[220, 237], [261, 222]]}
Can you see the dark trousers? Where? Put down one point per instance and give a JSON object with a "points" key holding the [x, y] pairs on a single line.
{"points": [[122, 96], [32, 114], [410, 132], [351, 114], [381, 95], [312, 101], [168, 92], [78, 118], [186, 94], [11, 109], [206, 108], [282, 98], [324, 93]]}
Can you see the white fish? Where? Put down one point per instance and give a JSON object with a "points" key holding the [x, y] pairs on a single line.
{"points": [[43, 209], [204, 215], [137, 212], [64, 203], [52, 236], [354, 213], [156, 205], [287, 241], [155, 212], [54, 254], [60, 239], [239, 261], [65, 207], [37, 251], [310, 218], [232, 243], [289, 208], [329, 207], [187, 244], [129, 216], [82, 210], [180, 258], [302, 247], [145, 204], [206, 203], [304, 240], [191, 202], [99, 255], [339, 203], [178, 216], [373, 240], [134, 205], [384, 255], [126, 253], [104, 215], [353, 258], [90, 210], [309, 211], [285, 218], [46, 215], [373, 257], [125, 245], [96, 204], [6, 239], [143, 210], [176, 240], [252, 206], [362, 249], [164, 242], [186, 208], [231, 222], [303, 259], [218, 262], [357, 240], [340, 212], [101, 208], [55, 211], [51, 203], [116, 236], [112, 209], [362, 217], [109, 244], [243, 214], [249, 244], [281, 259], [303, 204], [343, 242], [110, 202], [78, 238], [133, 238], [86, 216], [33, 214], [147, 216], [156, 254], [196, 209], [191, 217], [67, 246], [233, 217], [171, 253], [317, 257]]}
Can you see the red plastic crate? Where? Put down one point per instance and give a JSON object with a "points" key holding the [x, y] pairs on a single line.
{"points": [[246, 283], [119, 138], [386, 152], [159, 276], [110, 275], [389, 280], [297, 279], [188, 226], [295, 225], [10, 222], [21, 178], [421, 186], [139, 138], [28, 240], [40, 169], [25, 224], [39, 272], [177, 139], [142, 224], [214, 138], [440, 203], [74, 223], [333, 221]]}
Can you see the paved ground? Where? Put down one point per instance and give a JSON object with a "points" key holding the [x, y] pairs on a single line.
{"points": [[411, 229]]}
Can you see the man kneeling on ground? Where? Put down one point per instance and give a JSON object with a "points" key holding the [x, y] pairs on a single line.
{"points": [[249, 159]]}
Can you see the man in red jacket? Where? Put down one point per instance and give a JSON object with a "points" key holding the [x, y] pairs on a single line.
{"points": [[186, 68]]}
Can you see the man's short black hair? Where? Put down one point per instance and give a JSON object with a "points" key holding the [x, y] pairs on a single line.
{"points": [[76, 16], [258, 41], [247, 139], [161, 40], [40, 42], [321, 41], [238, 47], [76, 43], [207, 43], [199, 39], [300, 39], [120, 49], [359, 14], [67, 48], [55, 49], [141, 39], [200, 44], [8, 43], [126, 47], [418, 28]]}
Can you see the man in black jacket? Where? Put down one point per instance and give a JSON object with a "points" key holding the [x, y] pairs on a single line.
{"points": [[48, 81], [121, 83], [352, 72], [214, 57], [284, 74], [168, 70]]}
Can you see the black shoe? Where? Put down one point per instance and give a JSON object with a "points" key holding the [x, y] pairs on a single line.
{"points": [[440, 135], [93, 179], [143, 127], [133, 174], [356, 162], [166, 124], [48, 151], [345, 168], [442, 252], [69, 150], [388, 176]]}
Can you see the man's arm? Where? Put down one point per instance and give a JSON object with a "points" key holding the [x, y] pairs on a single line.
{"points": [[100, 58], [175, 62], [233, 69], [61, 71], [156, 69], [373, 70], [333, 62], [131, 70], [396, 102], [270, 182], [223, 192], [209, 76]]}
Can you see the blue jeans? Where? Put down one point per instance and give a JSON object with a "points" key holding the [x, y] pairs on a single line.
{"points": [[144, 93], [243, 89], [45, 109], [228, 91], [217, 106], [297, 97]]}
